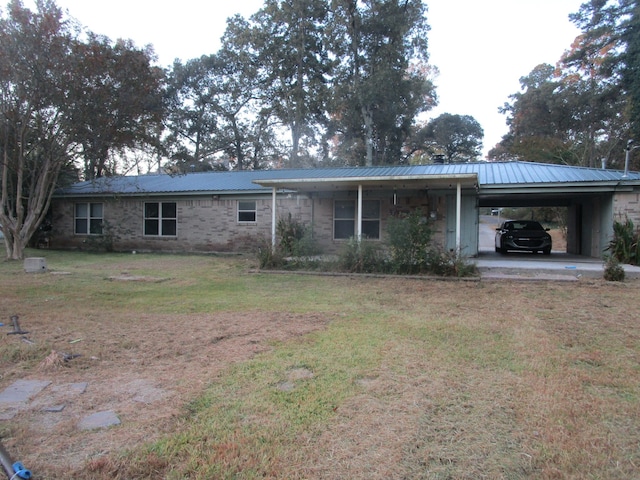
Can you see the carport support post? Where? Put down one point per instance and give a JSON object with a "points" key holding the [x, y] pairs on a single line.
{"points": [[273, 219], [458, 215], [359, 233]]}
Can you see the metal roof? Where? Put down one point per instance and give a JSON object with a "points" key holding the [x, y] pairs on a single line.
{"points": [[487, 175]]}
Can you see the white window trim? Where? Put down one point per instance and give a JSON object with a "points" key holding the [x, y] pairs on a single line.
{"points": [[254, 210]]}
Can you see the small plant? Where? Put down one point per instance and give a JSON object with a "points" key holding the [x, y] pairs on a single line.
{"points": [[295, 238], [268, 257], [450, 264], [361, 257], [613, 270], [625, 246]]}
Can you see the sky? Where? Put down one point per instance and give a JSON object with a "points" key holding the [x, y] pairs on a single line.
{"points": [[481, 47]]}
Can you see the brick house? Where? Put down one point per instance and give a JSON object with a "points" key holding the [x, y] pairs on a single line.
{"points": [[233, 211]]}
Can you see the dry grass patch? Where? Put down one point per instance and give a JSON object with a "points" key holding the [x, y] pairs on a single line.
{"points": [[218, 373]]}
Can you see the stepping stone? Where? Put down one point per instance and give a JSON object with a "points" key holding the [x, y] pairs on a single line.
{"points": [[54, 408], [21, 391], [104, 419]]}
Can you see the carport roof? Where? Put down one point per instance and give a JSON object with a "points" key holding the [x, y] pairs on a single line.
{"points": [[487, 176]]}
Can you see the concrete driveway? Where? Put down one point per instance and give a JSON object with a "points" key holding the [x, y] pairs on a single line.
{"points": [[557, 266]]}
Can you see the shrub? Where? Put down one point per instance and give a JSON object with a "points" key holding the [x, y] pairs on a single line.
{"points": [[361, 257], [450, 264], [613, 270], [295, 238], [625, 246], [268, 257], [409, 242]]}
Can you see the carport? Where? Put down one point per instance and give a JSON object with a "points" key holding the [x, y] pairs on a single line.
{"points": [[590, 196]]}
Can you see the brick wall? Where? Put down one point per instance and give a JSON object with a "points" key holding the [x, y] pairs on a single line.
{"points": [[627, 205], [210, 224]]}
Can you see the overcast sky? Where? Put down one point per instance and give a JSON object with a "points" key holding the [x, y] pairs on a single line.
{"points": [[481, 47]]}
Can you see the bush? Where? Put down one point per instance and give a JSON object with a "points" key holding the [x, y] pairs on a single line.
{"points": [[361, 257], [268, 257], [625, 246], [296, 238], [613, 270], [409, 242], [450, 264]]}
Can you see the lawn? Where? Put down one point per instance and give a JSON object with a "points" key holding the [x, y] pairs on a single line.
{"points": [[217, 371]]}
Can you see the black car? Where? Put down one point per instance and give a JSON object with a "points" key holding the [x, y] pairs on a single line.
{"points": [[523, 235]]}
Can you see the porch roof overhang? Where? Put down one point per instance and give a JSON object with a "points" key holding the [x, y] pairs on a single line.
{"points": [[399, 182]]}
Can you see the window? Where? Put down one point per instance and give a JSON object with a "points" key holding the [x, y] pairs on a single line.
{"points": [[344, 222], [371, 219], [344, 219], [88, 219], [160, 219], [247, 211]]}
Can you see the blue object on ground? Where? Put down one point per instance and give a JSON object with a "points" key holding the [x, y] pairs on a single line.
{"points": [[20, 471]]}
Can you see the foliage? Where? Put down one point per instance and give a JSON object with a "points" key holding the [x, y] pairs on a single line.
{"points": [[268, 257], [613, 270], [114, 101], [451, 138], [625, 245], [408, 250], [364, 256], [409, 242], [377, 89], [295, 237], [215, 120], [583, 110], [34, 146], [64, 98], [561, 117], [450, 264], [286, 40], [295, 249], [608, 49]]}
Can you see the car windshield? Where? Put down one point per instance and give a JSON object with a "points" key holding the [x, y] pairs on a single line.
{"points": [[523, 225]]}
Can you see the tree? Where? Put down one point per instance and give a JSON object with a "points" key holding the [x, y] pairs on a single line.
{"points": [[63, 99], [450, 138], [563, 116], [192, 120], [608, 49], [377, 93], [36, 48], [286, 37], [114, 102], [215, 115]]}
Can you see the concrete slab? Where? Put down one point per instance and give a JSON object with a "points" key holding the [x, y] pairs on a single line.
{"points": [[104, 419], [21, 391], [557, 264]]}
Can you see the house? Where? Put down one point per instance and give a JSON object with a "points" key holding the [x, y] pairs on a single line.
{"points": [[234, 211]]}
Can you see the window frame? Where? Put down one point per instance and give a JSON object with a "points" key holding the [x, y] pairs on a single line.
{"points": [[162, 220], [367, 221], [251, 212], [89, 219]]}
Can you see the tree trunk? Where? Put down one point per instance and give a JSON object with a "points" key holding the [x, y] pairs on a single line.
{"points": [[368, 134]]}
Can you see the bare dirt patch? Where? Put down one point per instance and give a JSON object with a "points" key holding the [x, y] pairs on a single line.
{"points": [[146, 373]]}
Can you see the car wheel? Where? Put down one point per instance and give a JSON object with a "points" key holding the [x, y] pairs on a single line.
{"points": [[547, 251]]}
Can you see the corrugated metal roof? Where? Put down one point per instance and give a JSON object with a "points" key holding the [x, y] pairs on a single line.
{"points": [[489, 175]]}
